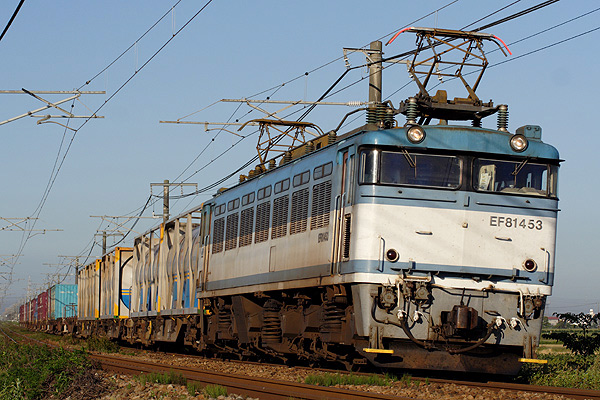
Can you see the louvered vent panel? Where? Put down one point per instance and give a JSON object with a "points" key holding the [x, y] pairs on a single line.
{"points": [[246, 227], [321, 205], [280, 217], [346, 242], [231, 234], [219, 230], [263, 215], [299, 211]]}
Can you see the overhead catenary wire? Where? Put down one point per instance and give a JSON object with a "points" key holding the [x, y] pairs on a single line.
{"points": [[27, 236], [281, 85], [132, 45], [12, 18], [546, 47], [491, 14], [276, 88], [543, 47], [328, 92]]}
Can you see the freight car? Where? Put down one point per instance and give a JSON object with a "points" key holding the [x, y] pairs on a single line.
{"points": [[56, 310], [417, 246]]}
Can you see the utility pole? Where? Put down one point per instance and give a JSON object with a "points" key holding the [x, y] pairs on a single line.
{"points": [[52, 276], [114, 219], [106, 234], [165, 185], [75, 261], [165, 201]]}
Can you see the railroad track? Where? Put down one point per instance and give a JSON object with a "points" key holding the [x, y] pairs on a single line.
{"points": [[577, 394], [264, 389], [267, 389], [10, 335], [6, 335]]}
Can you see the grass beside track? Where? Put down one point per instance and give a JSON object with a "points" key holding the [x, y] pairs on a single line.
{"points": [[329, 379], [39, 372], [564, 370]]}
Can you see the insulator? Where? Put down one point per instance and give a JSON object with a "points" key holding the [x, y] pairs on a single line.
{"points": [[371, 115], [243, 178], [503, 118], [354, 103], [389, 117], [272, 164], [287, 157], [331, 137], [476, 123], [251, 173], [380, 114], [412, 111], [309, 147]]}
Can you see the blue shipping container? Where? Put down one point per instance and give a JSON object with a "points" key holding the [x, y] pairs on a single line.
{"points": [[63, 301]]}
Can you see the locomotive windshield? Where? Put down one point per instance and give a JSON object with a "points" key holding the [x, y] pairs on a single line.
{"points": [[515, 177], [404, 168]]}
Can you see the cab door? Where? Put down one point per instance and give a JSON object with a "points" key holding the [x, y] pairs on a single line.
{"points": [[343, 209]]}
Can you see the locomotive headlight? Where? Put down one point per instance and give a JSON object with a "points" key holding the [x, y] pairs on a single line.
{"points": [[415, 134], [529, 265], [519, 143], [392, 255]]}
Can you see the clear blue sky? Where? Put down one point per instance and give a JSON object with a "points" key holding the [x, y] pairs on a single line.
{"points": [[238, 49]]}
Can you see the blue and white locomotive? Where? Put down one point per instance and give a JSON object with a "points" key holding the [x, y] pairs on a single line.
{"points": [[418, 246]]}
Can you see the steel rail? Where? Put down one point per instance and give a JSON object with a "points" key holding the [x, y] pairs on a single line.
{"points": [[268, 389], [7, 335], [265, 389], [570, 393]]}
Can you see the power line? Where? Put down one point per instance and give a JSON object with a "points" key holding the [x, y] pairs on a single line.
{"points": [[44, 198], [274, 89], [49, 188], [325, 95], [278, 87], [12, 19], [131, 46], [546, 47], [489, 15]]}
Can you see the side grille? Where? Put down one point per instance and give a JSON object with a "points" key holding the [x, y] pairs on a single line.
{"points": [[219, 231], [246, 227], [231, 234], [321, 205], [299, 211], [280, 217], [346, 237], [263, 217]]}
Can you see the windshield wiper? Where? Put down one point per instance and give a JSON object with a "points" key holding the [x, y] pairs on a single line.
{"points": [[519, 167], [409, 159]]}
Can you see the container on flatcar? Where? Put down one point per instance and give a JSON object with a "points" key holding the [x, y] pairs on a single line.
{"points": [[33, 310], [88, 291], [166, 267], [42, 306], [115, 283], [62, 301], [27, 312]]}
